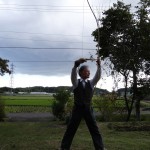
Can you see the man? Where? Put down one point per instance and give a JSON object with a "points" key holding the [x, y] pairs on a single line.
{"points": [[83, 92]]}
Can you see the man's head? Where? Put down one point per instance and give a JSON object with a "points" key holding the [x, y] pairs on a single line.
{"points": [[84, 72]]}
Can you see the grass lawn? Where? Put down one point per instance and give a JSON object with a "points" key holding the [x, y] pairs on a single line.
{"points": [[47, 136]]}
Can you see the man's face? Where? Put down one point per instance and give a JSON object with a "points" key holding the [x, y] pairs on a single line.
{"points": [[85, 73]]}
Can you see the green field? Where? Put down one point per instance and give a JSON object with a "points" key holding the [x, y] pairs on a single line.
{"points": [[48, 135], [27, 103], [45, 100], [28, 100], [42, 103]]}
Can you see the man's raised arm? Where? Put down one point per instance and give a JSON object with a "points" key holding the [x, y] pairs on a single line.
{"points": [[74, 79]]}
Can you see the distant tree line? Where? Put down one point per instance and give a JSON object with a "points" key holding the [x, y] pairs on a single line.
{"points": [[45, 89]]}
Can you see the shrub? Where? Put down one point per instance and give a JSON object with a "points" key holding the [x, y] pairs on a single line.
{"points": [[2, 109], [68, 109], [106, 104], [69, 106], [58, 106]]}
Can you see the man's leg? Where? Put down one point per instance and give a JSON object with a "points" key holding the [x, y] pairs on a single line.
{"points": [[71, 128], [93, 128]]}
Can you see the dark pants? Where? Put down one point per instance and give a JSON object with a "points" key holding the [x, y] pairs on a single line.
{"points": [[78, 113]]}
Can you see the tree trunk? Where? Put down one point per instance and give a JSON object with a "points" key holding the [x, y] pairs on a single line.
{"points": [[125, 97], [137, 108], [135, 96], [130, 110], [129, 105]]}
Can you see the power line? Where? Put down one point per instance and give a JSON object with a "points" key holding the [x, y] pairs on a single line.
{"points": [[36, 10], [11, 38], [46, 61], [57, 6], [52, 9], [47, 34], [60, 9], [47, 5], [41, 61], [45, 48]]}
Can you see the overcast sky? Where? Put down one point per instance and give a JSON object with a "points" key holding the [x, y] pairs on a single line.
{"points": [[61, 29]]}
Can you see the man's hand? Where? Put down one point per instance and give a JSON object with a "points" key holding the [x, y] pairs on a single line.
{"points": [[79, 61]]}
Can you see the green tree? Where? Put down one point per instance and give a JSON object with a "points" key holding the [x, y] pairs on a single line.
{"points": [[4, 68], [125, 40]]}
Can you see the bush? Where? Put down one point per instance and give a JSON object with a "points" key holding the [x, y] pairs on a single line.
{"points": [[69, 106], [2, 109], [68, 109], [106, 104], [59, 103]]}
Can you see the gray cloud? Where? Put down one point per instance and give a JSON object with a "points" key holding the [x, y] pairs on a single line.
{"points": [[21, 26]]}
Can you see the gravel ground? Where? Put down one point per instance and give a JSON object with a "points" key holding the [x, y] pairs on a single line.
{"points": [[44, 116], [29, 117]]}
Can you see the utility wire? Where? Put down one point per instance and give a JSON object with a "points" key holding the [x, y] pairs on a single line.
{"points": [[11, 38], [61, 8], [49, 8], [74, 10], [83, 26], [47, 34], [36, 10], [46, 61], [44, 48], [45, 5], [41, 9]]}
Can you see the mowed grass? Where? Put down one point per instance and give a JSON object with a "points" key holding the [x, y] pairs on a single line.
{"points": [[36, 100], [48, 135]]}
